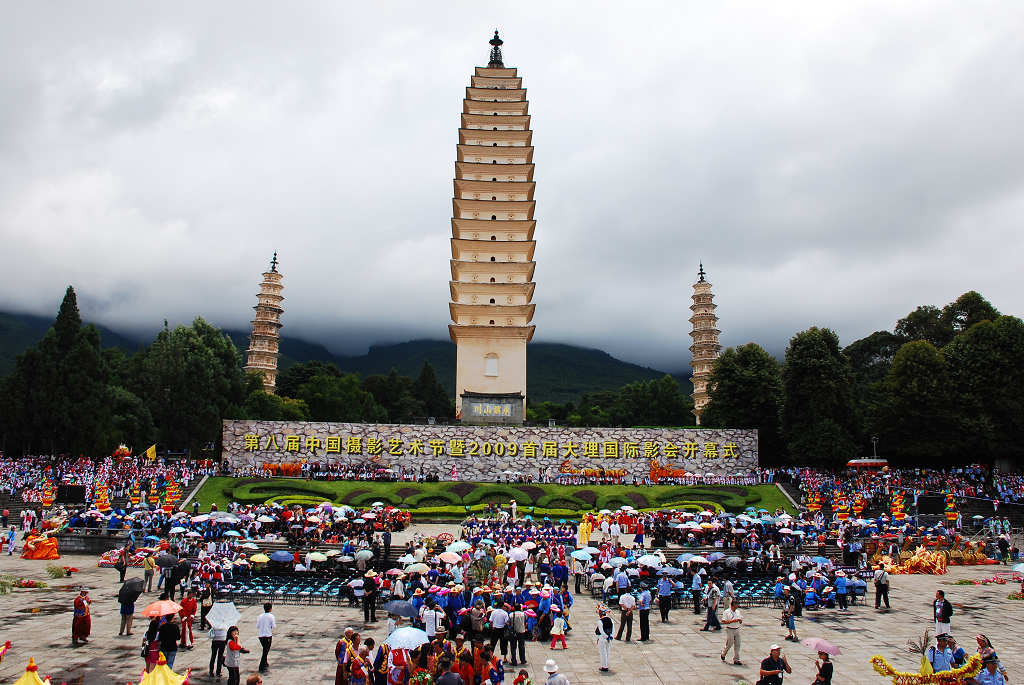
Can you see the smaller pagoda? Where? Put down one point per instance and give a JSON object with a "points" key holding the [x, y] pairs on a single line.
{"points": [[265, 341], [705, 347]]}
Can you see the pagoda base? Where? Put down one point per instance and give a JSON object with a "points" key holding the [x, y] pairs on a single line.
{"points": [[481, 408]]}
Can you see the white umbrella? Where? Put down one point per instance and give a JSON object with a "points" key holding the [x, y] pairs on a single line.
{"points": [[364, 554], [649, 560], [617, 561], [460, 546], [263, 518], [223, 615], [376, 504], [193, 534], [407, 638], [518, 554], [177, 529], [406, 559], [699, 560]]}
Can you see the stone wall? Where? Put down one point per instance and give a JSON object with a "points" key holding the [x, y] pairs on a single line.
{"points": [[484, 452]]}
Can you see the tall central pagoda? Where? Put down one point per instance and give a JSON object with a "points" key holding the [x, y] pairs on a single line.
{"points": [[492, 246]]}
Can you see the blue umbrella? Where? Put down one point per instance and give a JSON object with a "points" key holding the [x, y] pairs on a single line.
{"points": [[617, 561], [233, 534], [581, 555], [591, 550], [281, 555], [820, 560], [715, 556], [488, 541], [683, 558]]}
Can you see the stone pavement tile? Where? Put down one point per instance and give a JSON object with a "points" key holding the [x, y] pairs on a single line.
{"points": [[38, 623]]}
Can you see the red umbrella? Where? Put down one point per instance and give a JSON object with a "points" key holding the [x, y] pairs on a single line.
{"points": [[163, 607]]}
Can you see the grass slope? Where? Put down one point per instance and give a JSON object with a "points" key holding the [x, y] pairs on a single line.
{"points": [[445, 499]]}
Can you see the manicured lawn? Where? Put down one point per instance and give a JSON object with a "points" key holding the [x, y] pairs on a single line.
{"points": [[448, 499]]}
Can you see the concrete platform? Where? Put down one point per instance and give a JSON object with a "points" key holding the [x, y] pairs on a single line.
{"points": [[38, 623]]}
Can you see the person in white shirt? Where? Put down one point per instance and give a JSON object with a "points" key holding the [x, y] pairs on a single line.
{"points": [[432, 620], [499, 619], [627, 603], [265, 625], [732, 619]]}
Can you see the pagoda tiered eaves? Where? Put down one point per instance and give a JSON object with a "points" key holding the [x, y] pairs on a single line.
{"points": [[264, 342], [493, 226]]}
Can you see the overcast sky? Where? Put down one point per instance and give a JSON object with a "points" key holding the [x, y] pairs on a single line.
{"points": [[832, 164]]}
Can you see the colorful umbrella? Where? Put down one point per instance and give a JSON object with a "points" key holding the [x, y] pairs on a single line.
{"points": [[450, 557], [259, 558], [822, 645], [163, 607]]}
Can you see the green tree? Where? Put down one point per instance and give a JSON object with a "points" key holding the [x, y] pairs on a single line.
{"points": [[916, 417], [430, 393], [658, 402], [968, 309], [131, 422], [295, 376], [986, 368], [746, 392], [817, 416], [262, 406], [925, 323], [870, 361], [331, 398], [395, 394], [190, 379], [58, 392]]}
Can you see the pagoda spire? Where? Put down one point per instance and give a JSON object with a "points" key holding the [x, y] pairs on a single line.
{"points": [[265, 341], [492, 246], [495, 61], [705, 347]]}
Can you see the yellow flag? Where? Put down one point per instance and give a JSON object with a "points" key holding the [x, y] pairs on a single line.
{"points": [[151, 453]]}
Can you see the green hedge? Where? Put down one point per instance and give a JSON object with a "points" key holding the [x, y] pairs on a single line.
{"points": [[733, 498], [493, 493]]}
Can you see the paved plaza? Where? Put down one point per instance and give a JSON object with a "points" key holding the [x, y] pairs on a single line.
{"points": [[38, 623]]}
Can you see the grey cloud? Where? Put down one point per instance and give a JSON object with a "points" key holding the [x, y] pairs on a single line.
{"points": [[831, 165]]}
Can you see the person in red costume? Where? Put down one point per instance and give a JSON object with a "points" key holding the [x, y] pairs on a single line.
{"points": [[81, 624], [189, 605]]}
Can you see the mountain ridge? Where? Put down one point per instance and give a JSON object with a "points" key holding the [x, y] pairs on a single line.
{"points": [[557, 372]]}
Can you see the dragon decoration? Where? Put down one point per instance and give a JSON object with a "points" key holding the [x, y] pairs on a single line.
{"points": [[957, 675]]}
